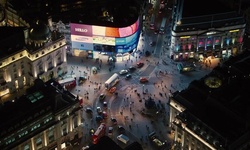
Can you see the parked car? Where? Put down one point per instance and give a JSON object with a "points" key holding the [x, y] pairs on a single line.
{"points": [[140, 64], [122, 72], [102, 96], [143, 80]]}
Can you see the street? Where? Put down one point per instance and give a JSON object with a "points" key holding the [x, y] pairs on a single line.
{"points": [[131, 105]]}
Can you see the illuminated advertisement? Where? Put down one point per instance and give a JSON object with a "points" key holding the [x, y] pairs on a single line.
{"points": [[120, 41], [85, 39], [89, 30], [99, 30], [82, 46], [80, 29], [103, 40]]}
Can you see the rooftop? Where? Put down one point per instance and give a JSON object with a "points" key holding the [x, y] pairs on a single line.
{"points": [[111, 13], [205, 16], [39, 100], [223, 108]]}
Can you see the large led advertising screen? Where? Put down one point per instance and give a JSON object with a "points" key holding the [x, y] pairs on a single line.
{"points": [[92, 30], [84, 39], [82, 46]]}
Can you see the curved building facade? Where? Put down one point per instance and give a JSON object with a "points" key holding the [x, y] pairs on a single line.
{"points": [[90, 40]]}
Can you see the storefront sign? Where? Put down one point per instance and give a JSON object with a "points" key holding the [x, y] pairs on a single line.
{"points": [[82, 46]]}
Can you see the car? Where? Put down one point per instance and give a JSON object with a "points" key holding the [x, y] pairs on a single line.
{"points": [[123, 138], [104, 115], [147, 53], [140, 64], [114, 121], [110, 131], [128, 76], [112, 90], [89, 110], [156, 31], [105, 104], [132, 68], [99, 110], [152, 43], [82, 79], [121, 129], [122, 72], [155, 140], [102, 96], [143, 80], [92, 131], [99, 118]]}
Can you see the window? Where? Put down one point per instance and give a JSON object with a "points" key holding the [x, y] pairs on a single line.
{"points": [[42, 52], [37, 55], [13, 58], [40, 68], [21, 55]]}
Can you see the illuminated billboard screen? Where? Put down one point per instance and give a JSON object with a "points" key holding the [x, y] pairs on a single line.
{"points": [[89, 30], [82, 46], [103, 40], [80, 29], [85, 39]]}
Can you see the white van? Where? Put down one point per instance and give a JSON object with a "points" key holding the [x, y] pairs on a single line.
{"points": [[123, 138]]}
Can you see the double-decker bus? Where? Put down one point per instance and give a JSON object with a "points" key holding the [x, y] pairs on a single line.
{"points": [[68, 83], [112, 81], [100, 132], [152, 22]]}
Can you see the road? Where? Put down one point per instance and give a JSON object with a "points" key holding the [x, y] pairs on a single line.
{"points": [[127, 106]]}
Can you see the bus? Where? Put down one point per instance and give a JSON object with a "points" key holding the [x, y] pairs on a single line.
{"points": [[163, 24], [100, 132], [68, 83], [112, 81], [152, 22]]}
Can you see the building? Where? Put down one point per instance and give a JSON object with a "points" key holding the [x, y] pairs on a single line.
{"points": [[213, 112], [28, 53], [45, 117], [201, 32], [113, 29]]}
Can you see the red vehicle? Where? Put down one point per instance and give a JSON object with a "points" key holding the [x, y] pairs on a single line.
{"points": [[68, 83], [100, 132], [143, 80], [140, 64]]}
